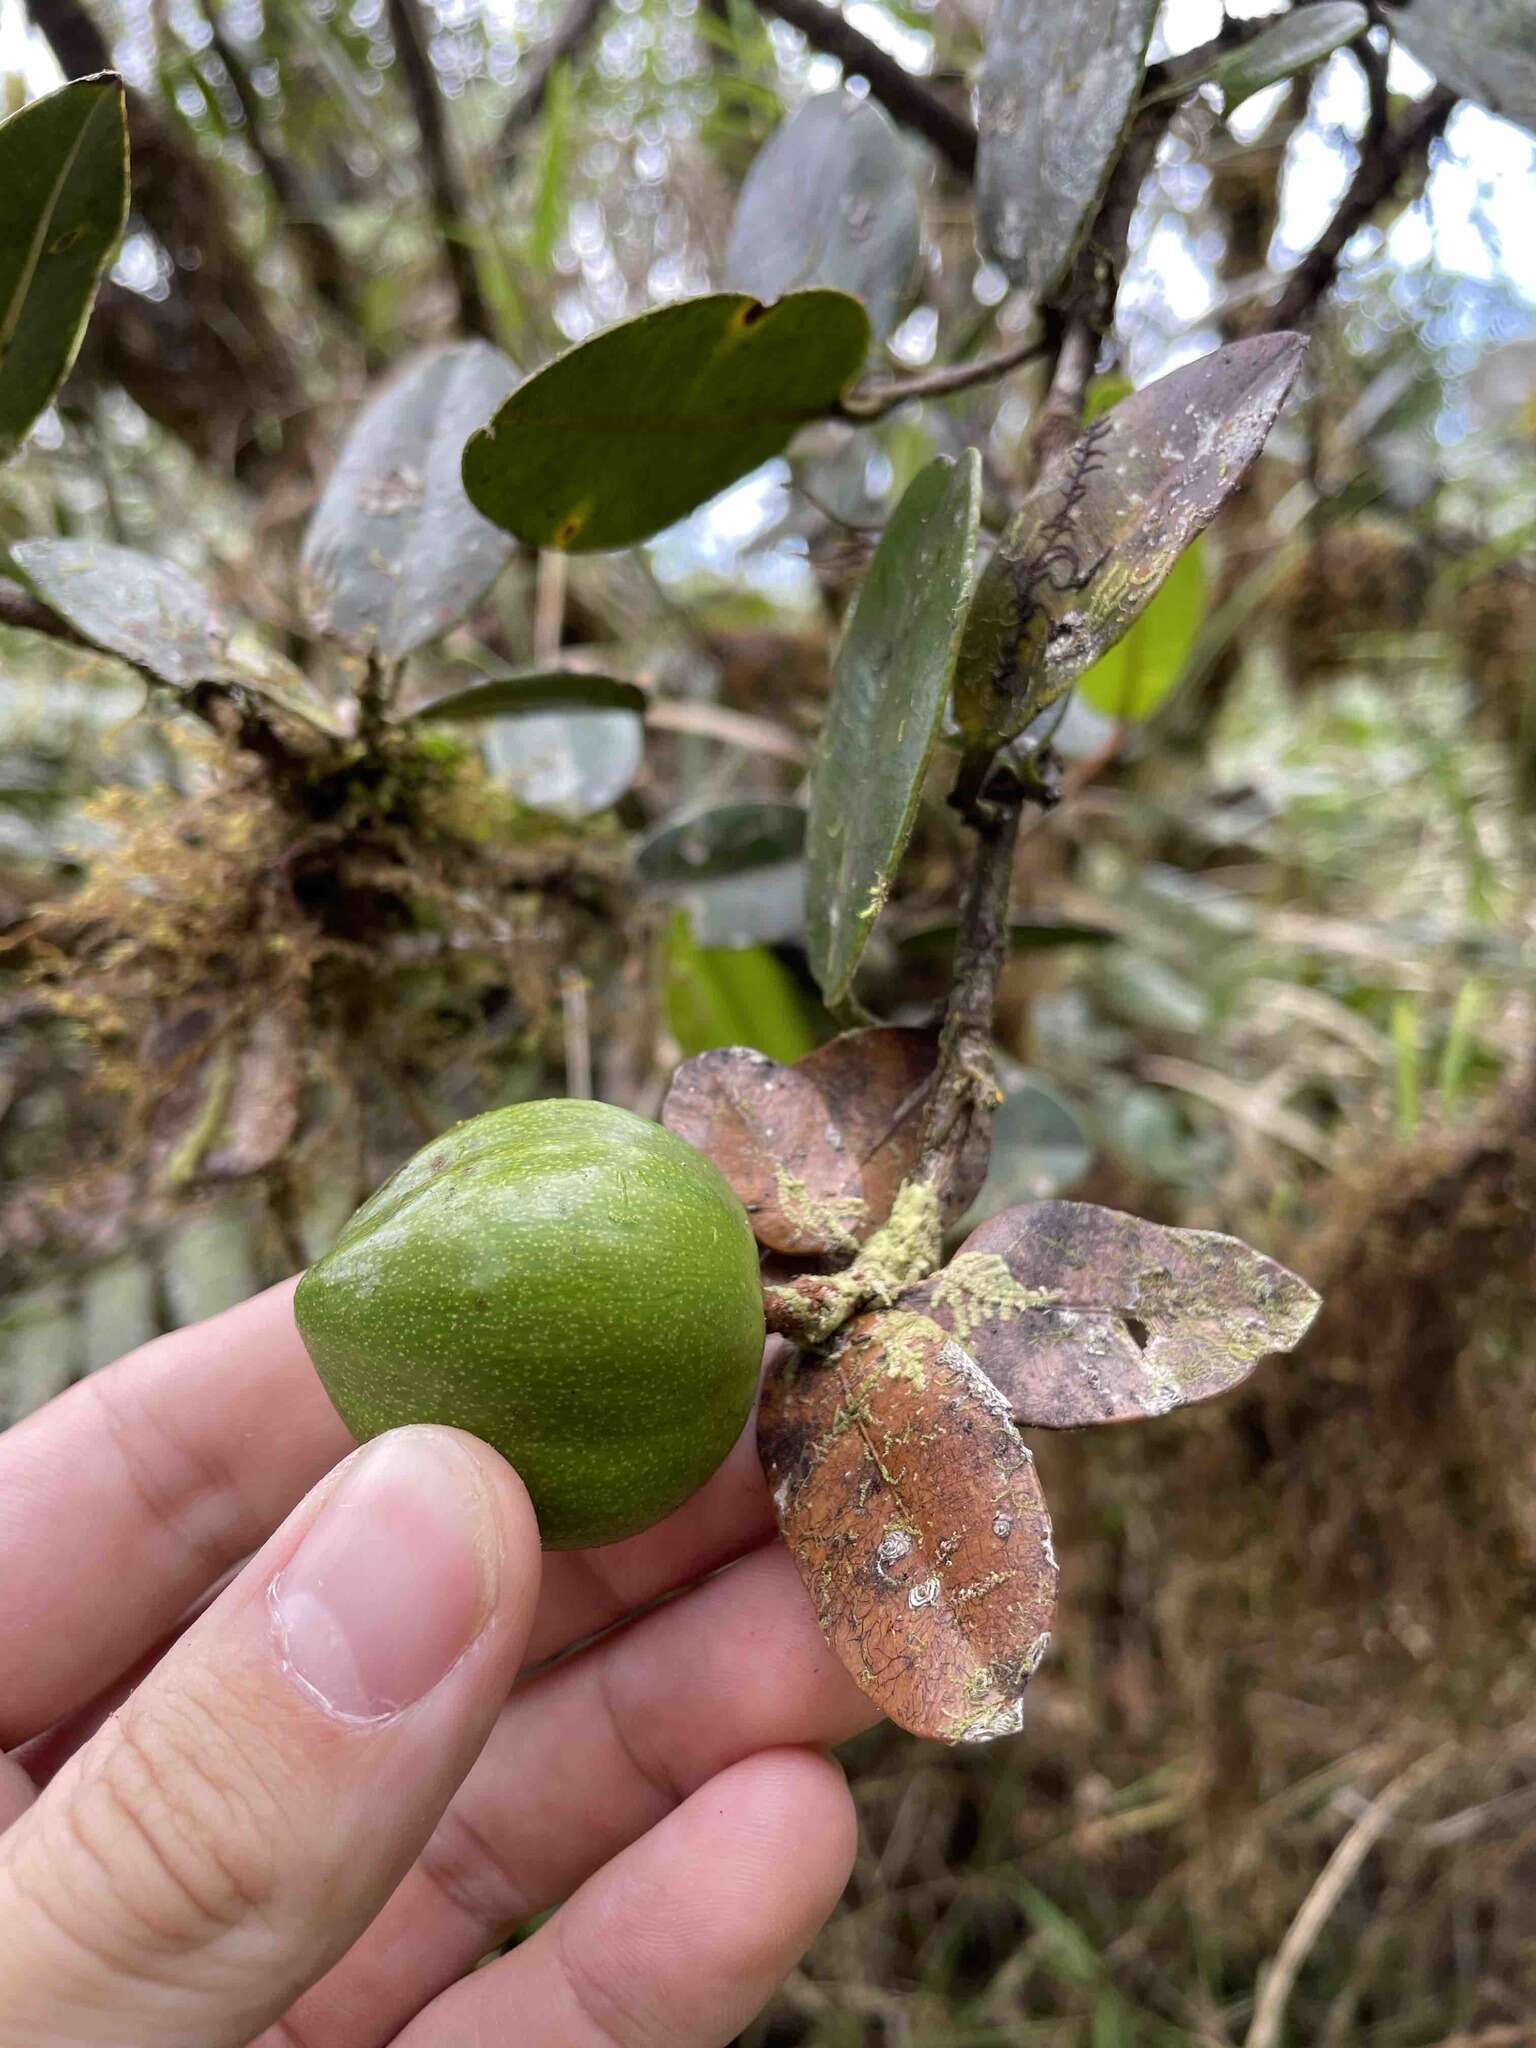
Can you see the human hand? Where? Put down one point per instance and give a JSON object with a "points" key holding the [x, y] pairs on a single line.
{"points": [[304, 1817]]}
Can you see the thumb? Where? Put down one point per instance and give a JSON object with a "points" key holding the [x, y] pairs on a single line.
{"points": [[228, 1833]]}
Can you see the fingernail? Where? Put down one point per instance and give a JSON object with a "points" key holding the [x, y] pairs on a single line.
{"points": [[393, 1581]]}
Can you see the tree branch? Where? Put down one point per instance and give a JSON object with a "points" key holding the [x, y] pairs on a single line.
{"points": [[1403, 149], [905, 98], [322, 252], [450, 200], [567, 42]]}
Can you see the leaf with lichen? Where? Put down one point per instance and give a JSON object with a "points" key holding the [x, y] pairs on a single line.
{"points": [[1083, 1315], [877, 1084], [818, 1151], [767, 1129], [1091, 545], [914, 1514]]}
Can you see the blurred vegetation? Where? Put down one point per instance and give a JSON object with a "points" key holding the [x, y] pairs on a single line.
{"points": [[1271, 971]]}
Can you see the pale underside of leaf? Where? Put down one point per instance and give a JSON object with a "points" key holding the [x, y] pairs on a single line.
{"points": [[1083, 1315], [1485, 49], [915, 1517], [150, 612], [1056, 89]]}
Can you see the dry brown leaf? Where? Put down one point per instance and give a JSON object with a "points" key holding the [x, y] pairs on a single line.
{"points": [[769, 1132], [818, 1151], [1082, 1315], [913, 1511]]}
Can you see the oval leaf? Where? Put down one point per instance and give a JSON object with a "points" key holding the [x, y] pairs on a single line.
{"points": [[1304, 36], [1083, 1315], [632, 430], [1058, 82], [574, 763], [63, 201], [913, 1512], [890, 684], [1483, 49], [1139, 673], [829, 200], [730, 839], [530, 690], [148, 611], [818, 1151], [768, 1131], [1092, 543], [395, 553], [876, 1083]]}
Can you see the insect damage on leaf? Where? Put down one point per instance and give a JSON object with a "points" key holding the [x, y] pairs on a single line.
{"points": [[1082, 1315], [1093, 542], [915, 1516]]}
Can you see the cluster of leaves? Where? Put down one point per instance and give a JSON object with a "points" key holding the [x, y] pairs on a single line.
{"points": [[903, 1487]]}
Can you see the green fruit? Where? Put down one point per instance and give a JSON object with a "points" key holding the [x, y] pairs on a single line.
{"points": [[571, 1283]]}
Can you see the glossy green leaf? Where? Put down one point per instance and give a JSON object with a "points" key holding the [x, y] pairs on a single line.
{"points": [[395, 553], [531, 690], [1025, 935], [1483, 49], [1289, 44], [890, 684], [632, 430], [729, 839], [1094, 540], [574, 763], [1057, 86], [1139, 672], [63, 200], [738, 996], [830, 200], [148, 611]]}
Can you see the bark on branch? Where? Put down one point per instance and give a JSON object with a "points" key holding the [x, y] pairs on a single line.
{"points": [[905, 98], [450, 198]]}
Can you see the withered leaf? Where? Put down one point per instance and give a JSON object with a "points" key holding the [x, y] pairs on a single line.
{"points": [[913, 1511], [1081, 1315], [818, 1151], [768, 1130], [877, 1083], [1092, 543]]}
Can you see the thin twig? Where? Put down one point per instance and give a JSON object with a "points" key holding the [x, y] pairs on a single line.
{"points": [[450, 199], [905, 98], [1060, 417], [880, 399], [1333, 1881], [1402, 149], [549, 604], [577, 1031]]}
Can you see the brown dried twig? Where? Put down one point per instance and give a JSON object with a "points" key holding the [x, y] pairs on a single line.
{"points": [[450, 199]]}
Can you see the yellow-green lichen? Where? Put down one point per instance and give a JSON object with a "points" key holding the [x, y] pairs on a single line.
{"points": [[978, 1288]]}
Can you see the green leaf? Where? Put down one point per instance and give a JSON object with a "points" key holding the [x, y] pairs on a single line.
{"points": [[1139, 672], [890, 684], [632, 430], [530, 690], [63, 201], [395, 553], [1304, 36], [1483, 49], [1091, 544], [1025, 935], [574, 763], [1058, 82], [148, 611], [739, 996], [729, 839], [830, 200]]}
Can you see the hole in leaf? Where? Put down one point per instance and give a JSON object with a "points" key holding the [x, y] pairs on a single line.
{"points": [[1140, 1335], [751, 314]]}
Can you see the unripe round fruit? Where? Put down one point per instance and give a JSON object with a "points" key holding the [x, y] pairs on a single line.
{"points": [[565, 1280]]}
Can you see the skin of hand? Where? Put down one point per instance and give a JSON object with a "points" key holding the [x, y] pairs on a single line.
{"points": [[293, 1738]]}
